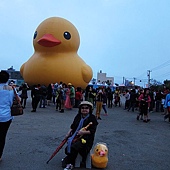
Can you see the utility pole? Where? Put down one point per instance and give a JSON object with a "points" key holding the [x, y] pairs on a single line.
{"points": [[123, 80], [134, 80], [149, 77]]}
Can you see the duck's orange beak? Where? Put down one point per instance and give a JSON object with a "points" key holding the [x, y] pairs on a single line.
{"points": [[48, 40]]}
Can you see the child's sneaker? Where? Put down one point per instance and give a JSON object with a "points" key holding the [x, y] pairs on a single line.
{"points": [[68, 167]]}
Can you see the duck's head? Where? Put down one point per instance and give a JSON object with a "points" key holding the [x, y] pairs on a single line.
{"points": [[101, 150], [56, 34]]}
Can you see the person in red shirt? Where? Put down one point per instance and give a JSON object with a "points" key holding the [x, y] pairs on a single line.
{"points": [[144, 100], [78, 97]]}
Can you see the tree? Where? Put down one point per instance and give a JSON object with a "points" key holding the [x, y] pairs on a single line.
{"points": [[155, 83], [158, 85], [167, 83]]}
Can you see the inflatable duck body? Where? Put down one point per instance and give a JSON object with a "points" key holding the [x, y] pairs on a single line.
{"points": [[100, 156], [56, 42]]}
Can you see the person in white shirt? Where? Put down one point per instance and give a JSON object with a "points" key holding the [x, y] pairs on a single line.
{"points": [[6, 100], [127, 97]]}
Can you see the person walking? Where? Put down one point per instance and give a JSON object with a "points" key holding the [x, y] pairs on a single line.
{"points": [[67, 103], [78, 97], [89, 95], [49, 93], [60, 97], [99, 103], [152, 102], [6, 101], [24, 88], [35, 94], [84, 143], [43, 95], [72, 94], [158, 99], [109, 97], [167, 105], [104, 102], [144, 105], [133, 99], [117, 97], [54, 91], [127, 97]]}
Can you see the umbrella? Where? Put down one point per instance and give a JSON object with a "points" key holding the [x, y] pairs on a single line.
{"points": [[83, 129], [65, 140], [57, 149]]}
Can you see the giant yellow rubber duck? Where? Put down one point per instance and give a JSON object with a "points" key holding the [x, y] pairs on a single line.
{"points": [[100, 156], [56, 42]]}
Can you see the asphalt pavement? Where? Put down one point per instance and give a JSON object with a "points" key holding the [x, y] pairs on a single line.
{"points": [[132, 144]]}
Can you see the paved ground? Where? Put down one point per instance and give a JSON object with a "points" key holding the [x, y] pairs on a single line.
{"points": [[133, 145]]}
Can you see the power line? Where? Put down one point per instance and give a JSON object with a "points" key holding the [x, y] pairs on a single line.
{"points": [[162, 75], [165, 64], [161, 65], [141, 75]]}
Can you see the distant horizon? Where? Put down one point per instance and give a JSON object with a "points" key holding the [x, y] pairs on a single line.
{"points": [[143, 84]]}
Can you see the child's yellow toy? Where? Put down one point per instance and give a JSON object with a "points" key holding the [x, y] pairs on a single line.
{"points": [[56, 42], [83, 141], [100, 156]]}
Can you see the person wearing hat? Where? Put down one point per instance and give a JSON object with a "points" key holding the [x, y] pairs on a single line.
{"points": [[84, 143], [6, 100], [67, 103], [99, 103], [72, 94]]}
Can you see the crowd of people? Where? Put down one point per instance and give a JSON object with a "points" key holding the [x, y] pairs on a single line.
{"points": [[61, 95], [66, 96], [146, 101]]}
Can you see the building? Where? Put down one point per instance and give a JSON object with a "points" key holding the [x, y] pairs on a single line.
{"points": [[14, 76], [102, 78]]}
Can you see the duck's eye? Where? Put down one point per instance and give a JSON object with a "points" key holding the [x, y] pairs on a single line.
{"points": [[96, 149], [67, 35], [35, 34]]}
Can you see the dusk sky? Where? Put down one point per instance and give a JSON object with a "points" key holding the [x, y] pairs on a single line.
{"points": [[123, 38]]}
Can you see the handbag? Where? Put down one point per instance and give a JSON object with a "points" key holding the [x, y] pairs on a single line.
{"points": [[17, 108]]}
